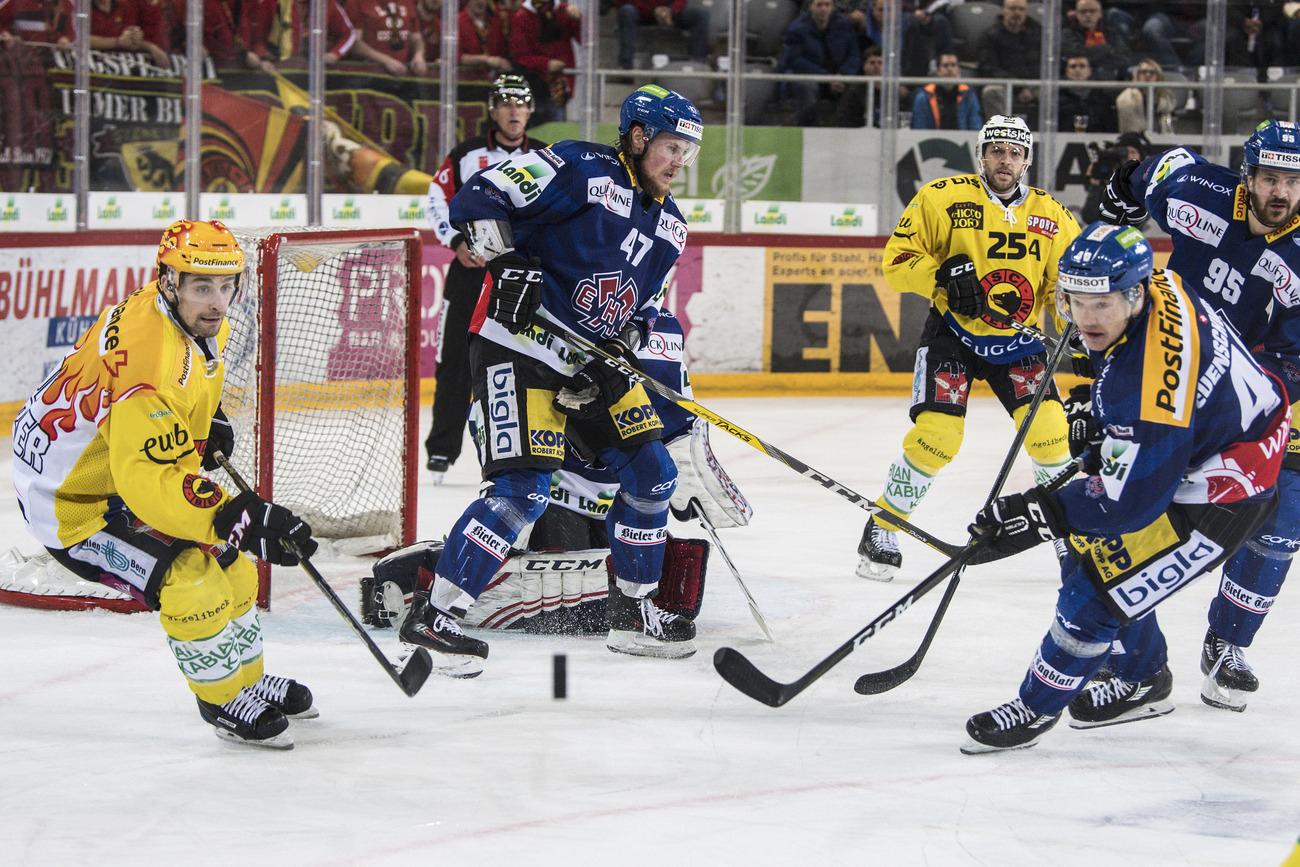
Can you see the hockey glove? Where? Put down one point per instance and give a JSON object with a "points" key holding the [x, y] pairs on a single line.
{"points": [[265, 530], [1080, 360], [221, 438], [958, 278], [516, 291], [1084, 437], [1118, 205], [1016, 523], [598, 385]]}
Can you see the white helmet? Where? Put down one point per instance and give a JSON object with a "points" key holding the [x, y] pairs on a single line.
{"points": [[1012, 130]]}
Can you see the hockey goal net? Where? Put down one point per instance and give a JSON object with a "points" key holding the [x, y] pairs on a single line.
{"points": [[322, 380]]}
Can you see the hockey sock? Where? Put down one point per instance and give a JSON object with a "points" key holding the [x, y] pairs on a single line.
{"points": [[638, 519], [1048, 441], [1139, 650], [482, 538], [196, 604], [247, 632], [928, 447], [1253, 576]]}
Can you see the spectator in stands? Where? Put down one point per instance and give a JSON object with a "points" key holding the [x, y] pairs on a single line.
{"points": [[542, 33], [221, 39], [276, 32], [854, 104], [1130, 105], [129, 25], [946, 104], [388, 35], [1255, 37], [820, 41], [1164, 22], [1085, 30], [1084, 109], [482, 42], [926, 33], [632, 14], [1011, 48], [429, 15], [48, 21]]}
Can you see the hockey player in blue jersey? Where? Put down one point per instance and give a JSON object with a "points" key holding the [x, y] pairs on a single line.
{"points": [[1192, 431], [1236, 243], [582, 235]]}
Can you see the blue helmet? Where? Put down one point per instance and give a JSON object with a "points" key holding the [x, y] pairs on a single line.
{"points": [[1275, 144], [1103, 259], [657, 110]]}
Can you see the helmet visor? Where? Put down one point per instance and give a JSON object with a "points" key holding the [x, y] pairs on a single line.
{"points": [[678, 149]]}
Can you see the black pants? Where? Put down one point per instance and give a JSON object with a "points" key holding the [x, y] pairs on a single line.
{"points": [[451, 397]]}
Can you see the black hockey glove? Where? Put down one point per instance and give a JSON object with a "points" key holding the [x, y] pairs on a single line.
{"points": [[221, 438], [1080, 360], [265, 530], [598, 385], [1016, 523], [1078, 415], [958, 278], [1117, 204], [516, 291]]}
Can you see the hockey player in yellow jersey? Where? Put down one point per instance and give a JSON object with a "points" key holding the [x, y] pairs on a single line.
{"points": [[108, 460], [983, 248]]}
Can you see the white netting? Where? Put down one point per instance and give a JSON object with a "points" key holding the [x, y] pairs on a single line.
{"points": [[340, 455]]}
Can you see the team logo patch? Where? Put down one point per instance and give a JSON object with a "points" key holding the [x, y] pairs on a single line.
{"points": [[902, 257], [1025, 376], [200, 491], [966, 215], [1009, 291], [1173, 349], [951, 384], [1169, 163], [487, 540], [605, 302]]}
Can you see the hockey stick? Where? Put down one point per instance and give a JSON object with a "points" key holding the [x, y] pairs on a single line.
{"points": [[745, 676], [877, 682], [409, 677], [735, 573], [558, 330]]}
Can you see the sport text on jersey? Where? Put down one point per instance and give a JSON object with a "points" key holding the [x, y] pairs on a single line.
{"points": [[1169, 369]]}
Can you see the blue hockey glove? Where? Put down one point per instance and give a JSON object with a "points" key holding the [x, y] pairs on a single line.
{"points": [[516, 291], [1118, 205], [1016, 523]]}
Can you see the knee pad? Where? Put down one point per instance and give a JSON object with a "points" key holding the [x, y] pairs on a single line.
{"points": [[934, 440], [1048, 441], [196, 600], [519, 497], [648, 478]]}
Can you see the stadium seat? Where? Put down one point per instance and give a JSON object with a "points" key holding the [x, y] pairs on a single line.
{"points": [[1242, 108], [970, 21], [765, 25]]}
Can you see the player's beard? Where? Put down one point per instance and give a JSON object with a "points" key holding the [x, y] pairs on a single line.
{"points": [[1260, 208], [654, 186]]}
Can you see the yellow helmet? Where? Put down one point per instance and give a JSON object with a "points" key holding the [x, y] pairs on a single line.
{"points": [[200, 247]]}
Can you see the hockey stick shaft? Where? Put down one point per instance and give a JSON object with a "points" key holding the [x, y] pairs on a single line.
{"points": [[408, 678], [745, 436], [735, 573], [877, 682], [738, 671]]}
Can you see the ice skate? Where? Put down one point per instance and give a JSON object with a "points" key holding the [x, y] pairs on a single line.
{"points": [[1115, 700], [879, 558], [289, 697], [456, 654], [1010, 726], [638, 627], [1229, 680], [438, 467], [249, 720]]}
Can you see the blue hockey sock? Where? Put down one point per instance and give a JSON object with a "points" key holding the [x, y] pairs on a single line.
{"points": [[638, 519]]}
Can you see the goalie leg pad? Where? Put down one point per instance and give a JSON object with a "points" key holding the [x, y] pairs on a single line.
{"points": [[701, 478], [681, 586], [386, 593]]}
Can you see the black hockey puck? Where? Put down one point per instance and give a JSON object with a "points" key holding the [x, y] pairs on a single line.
{"points": [[559, 676]]}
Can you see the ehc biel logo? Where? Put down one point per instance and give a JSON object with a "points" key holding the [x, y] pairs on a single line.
{"points": [[605, 302]]}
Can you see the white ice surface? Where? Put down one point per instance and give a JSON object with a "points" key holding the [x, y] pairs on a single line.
{"points": [[105, 760]]}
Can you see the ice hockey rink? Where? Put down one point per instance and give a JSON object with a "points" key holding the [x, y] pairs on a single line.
{"points": [[106, 761]]}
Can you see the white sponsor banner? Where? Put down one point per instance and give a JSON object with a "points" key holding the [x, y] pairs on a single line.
{"points": [[133, 210], [703, 215], [346, 211], [807, 218], [38, 212], [248, 210]]}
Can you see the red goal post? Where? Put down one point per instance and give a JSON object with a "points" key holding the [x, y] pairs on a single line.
{"points": [[322, 380]]}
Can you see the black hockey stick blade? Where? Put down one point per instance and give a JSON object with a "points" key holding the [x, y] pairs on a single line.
{"points": [[416, 671], [876, 682]]}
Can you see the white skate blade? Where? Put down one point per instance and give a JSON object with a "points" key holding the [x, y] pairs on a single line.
{"points": [[309, 713], [1137, 714], [1224, 699], [973, 747], [282, 741], [639, 644], [461, 666], [873, 571]]}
